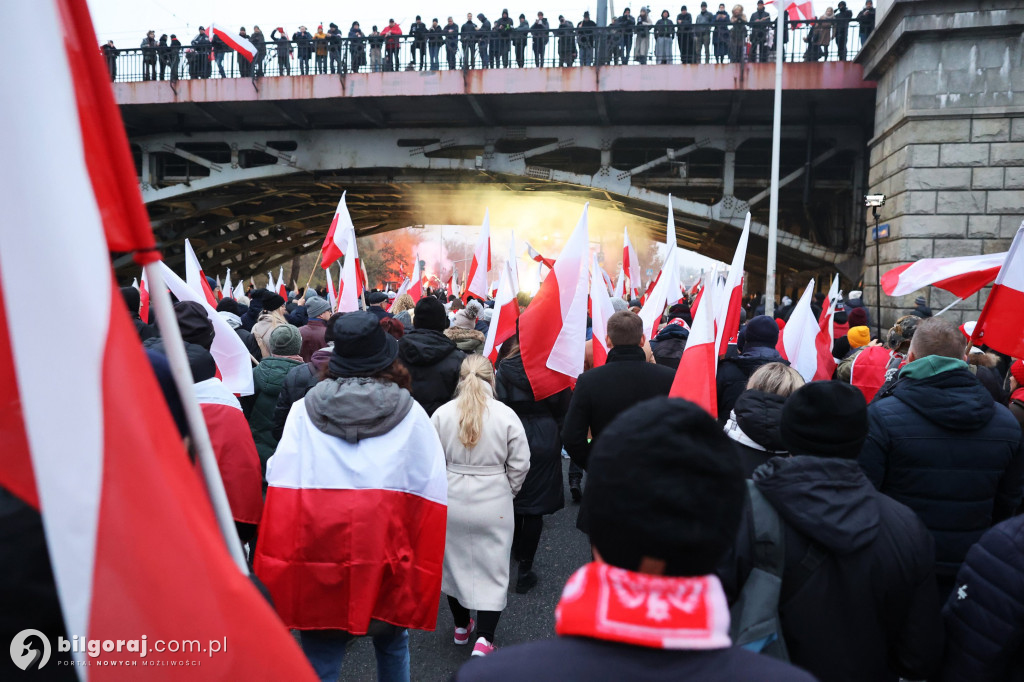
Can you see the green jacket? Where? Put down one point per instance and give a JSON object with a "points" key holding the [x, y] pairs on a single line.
{"points": [[268, 377]]}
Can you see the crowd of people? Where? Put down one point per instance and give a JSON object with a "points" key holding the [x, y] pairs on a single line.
{"points": [[860, 528], [703, 36]]}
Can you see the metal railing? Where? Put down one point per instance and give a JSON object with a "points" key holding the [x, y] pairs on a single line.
{"points": [[725, 43]]}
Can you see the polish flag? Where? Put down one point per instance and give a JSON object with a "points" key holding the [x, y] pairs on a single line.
{"points": [[372, 516], [999, 326], [348, 294], [727, 317], [403, 288], [506, 310], [631, 264], [453, 281], [696, 376], [332, 298], [798, 341], [195, 276], [536, 255], [144, 298], [101, 459], [236, 42], [416, 282], [553, 329], [664, 290], [826, 334], [960, 276], [620, 285], [252, 282], [282, 290], [270, 282], [227, 290], [239, 291], [480, 267], [218, 292], [228, 350], [601, 309], [337, 239]]}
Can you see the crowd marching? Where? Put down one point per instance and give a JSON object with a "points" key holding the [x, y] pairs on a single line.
{"points": [[875, 536], [726, 35]]}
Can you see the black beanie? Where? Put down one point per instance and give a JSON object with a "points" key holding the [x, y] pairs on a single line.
{"points": [[664, 481], [228, 305], [272, 302], [761, 331], [825, 419], [430, 314], [131, 299], [194, 323]]}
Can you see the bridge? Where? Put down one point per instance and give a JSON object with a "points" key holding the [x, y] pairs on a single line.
{"points": [[250, 170]]}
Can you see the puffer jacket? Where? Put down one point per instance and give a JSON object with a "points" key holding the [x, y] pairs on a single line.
{"points": [[433, 361], [268, 377], [985, 613], [297, 383], [733, 374], [939, 444], [754, 428], [467, 340], [669, 344], [868, 610]]}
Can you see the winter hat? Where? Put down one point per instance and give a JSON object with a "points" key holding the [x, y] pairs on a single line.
{"points": [[761, 331], [859, 336], [285, 340], [1017, 371], [376, 298], [902, 332], [825, 419], [272, 302], [131, 299], [857, 317], [855, 295], [361, 346], [920, 301], [487, 315], [194, 323], [473, 309], [316, 306], [665, 482], [429, 313], [786, 300], [229, 305], [619, 304]]}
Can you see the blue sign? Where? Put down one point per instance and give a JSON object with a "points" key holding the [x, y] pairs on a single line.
{"points": [[880, 232]]}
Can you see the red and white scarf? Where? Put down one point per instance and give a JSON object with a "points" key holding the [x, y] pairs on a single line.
{"points": [[605, 602]]}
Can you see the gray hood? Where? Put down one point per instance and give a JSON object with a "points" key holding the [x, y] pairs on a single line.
{"points": [[357, 408], [234, 321]]}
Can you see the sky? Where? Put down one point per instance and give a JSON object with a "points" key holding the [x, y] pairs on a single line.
{"points": [[126, 22]]}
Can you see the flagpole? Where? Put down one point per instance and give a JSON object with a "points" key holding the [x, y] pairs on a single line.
{"points": [[773, 204], [959, 300], [176, 357], [315, 263]]}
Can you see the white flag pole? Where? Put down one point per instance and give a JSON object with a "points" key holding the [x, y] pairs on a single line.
{"points": [[773, 202], [959, 300]]}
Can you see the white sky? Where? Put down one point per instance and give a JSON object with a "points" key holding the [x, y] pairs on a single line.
{"points": [[127, 22]]}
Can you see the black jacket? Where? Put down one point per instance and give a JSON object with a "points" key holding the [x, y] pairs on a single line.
{"points": [[603, 393], [869, 610], [542, 491], [985, 614], [733, 374], [579, 658], [297, 383], [944, 448], [755, 429], [668, 346], [433, 361]]}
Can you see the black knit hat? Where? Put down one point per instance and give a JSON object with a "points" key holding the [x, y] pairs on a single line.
{"points": [[664, 482], [228, 305], [430, 314], [194, 323], [361, 346], [131, 299], [272, 302], [825, 419], [761, 331]]}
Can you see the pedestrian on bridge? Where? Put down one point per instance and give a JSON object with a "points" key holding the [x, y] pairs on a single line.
{"points": [[663, 32], [702, 33], [722, 22], [376, 41], [469, 38], [392, 45], [303, 40], [738, 36], [418, 31], [435, 36], [110, 55], [644, 24], [540, 38], [451, 42], [842, 29], [148, 48], [163, 54], [519, 38], [260, 43], [334, 47], [566, 42], [503, 43], [356, 47], [320, 48], [684, 35], [244, 65], [201, 54], [284, 51], [484, 39], [585, 38]]}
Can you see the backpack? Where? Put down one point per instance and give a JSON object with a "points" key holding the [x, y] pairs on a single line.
{"points": [[755, 622]]}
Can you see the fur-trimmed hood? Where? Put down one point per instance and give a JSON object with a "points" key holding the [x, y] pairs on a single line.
{"points": [[983, 359]]}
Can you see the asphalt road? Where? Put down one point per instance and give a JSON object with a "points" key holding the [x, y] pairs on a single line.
{"points": [[527, 617]]}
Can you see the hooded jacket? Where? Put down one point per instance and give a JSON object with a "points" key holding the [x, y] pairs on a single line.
{"points": [[433, 361], [939, 444], [668, 346], [467, 340], [754, 427], [868, 611], [733, 374], [297, 383]]}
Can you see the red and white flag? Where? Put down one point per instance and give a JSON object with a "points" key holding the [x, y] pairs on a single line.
{"points": [[218, 291], [999, 326], [600, 310], [480, 267], [337, 239], [697, 375], [227, 289], [348, 289], [416, 281], [960, 276], [239, 291], [144, 298], [236, 42], [332, 298], [282, 290], [195, 276], [826, 334], [506, 309], [553, 329], [100, 457], [665, 288], [228, 349], [631, 264], [727, 317], [536, 255], [453, 281], [372, 514], [798, 341]]}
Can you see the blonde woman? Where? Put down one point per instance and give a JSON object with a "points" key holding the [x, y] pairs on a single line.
{"points": [[754, 421], [488, 456]]}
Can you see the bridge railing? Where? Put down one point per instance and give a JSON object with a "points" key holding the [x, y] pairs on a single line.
{"points": [[735, 42]]}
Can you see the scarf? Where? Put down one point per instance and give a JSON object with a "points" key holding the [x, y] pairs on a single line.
{"points": [[734, 431], [1018, 395], [604, 602]]}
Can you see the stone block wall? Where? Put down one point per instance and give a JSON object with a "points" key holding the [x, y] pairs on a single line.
{"points": [[948, 145]]}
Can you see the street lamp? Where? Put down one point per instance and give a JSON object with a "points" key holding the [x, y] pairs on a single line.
{"points": [[874, 202]]}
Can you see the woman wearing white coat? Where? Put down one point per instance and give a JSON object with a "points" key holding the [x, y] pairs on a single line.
{"points": [[487, 456]]}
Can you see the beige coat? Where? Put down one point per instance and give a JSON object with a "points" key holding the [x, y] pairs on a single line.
{"points": [[264, 326], [481, 485]]}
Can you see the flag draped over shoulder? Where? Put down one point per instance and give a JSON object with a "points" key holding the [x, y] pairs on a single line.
{"points": [[132, 539]]}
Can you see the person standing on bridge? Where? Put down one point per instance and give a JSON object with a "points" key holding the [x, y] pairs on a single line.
{"points": [[485, 40], [418, 31], [684, 35], [320, 49], [842, 28], [566, 42], [721, 34], [628, 28], [738, 35], [504, 28], [376, 42], [284, 51], [356, 47], [163, 54], [392, 45], [220, 48], [148, 48], [334, 47], [759, 22], [866, 21], [303, 40], [244, 65], [663, 32], [201, 48], [585, 38], [702, 34], [468, 32], [110, 56], [451, 42], [174, 57], [435, 36], [260, 43], [643, 35], [540, 38]]}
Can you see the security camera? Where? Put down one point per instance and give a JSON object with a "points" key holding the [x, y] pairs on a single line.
{"points": [[874, 200]]}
